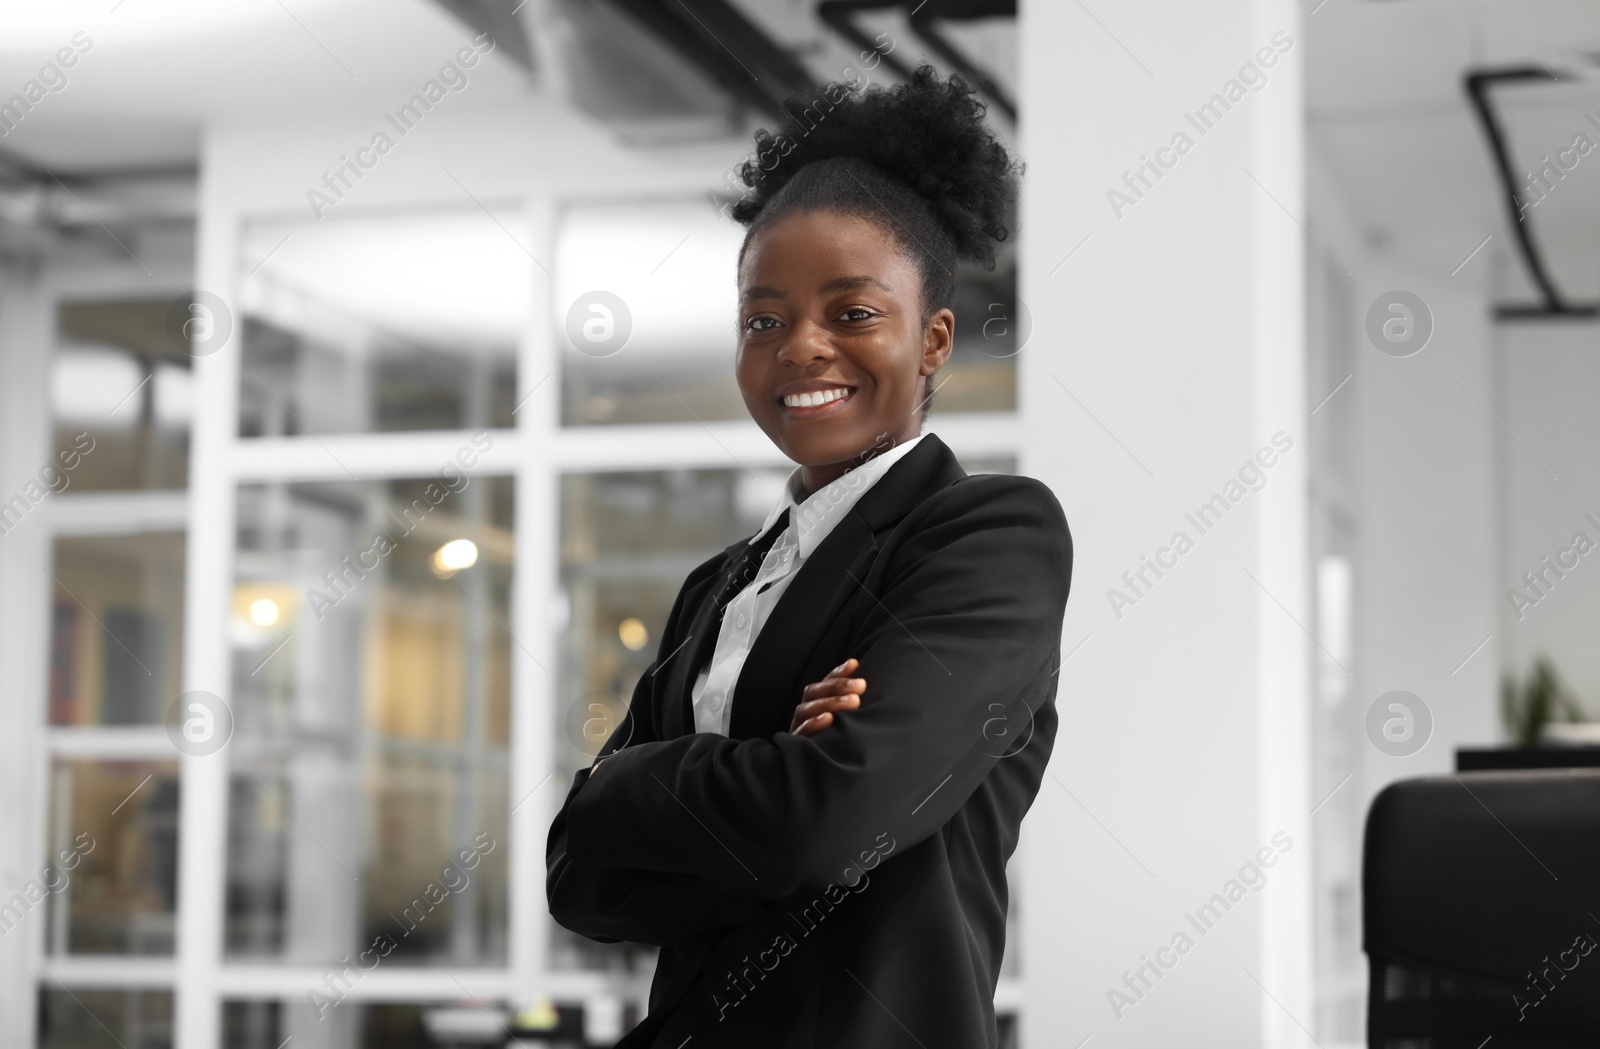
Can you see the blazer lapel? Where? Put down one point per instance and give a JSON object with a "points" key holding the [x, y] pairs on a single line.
{"points": [[678, 713], [768, 687], [700, 644]]}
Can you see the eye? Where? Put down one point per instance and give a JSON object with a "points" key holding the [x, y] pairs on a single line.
{"points": [[762, 323], [857, 313]]}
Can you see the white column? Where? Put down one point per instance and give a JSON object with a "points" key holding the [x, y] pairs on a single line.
{"points": [[1163, 266], [536, 791], [25, 449], [203, 805]]}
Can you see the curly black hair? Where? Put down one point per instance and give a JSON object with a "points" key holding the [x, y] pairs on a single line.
{"points": [[917, 159]]}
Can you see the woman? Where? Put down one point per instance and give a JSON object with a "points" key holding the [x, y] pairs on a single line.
{"points": [[823, 863]]}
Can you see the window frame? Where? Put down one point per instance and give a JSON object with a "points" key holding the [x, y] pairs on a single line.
{"points": [[536, 453]]}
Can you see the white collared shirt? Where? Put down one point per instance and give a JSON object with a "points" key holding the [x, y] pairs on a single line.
{"points": [[809, 524]]}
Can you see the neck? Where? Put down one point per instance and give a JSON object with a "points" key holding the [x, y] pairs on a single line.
{"points": [[815, 478]]}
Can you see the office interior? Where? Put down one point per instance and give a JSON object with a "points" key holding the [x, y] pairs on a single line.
{"points": [[1312, 285]]}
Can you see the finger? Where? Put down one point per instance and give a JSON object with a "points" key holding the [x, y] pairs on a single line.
{"points": [[811, 726], [828, 683], [813, 707], [822, 710], [843, 669], [821, 707], [834, 686]]}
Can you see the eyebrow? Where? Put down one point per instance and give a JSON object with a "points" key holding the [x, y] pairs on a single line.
{"points": [[839, 284], [862, 281]]}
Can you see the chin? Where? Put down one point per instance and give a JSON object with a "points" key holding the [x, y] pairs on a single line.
{"points": [[827, 453]]}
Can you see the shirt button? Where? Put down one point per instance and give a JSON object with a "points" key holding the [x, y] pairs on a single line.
{"points": [[740, 620]]}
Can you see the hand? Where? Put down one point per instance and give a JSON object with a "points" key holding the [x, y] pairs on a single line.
{"points": [[837, 691]]}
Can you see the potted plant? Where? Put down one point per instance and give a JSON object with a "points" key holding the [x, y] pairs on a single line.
{"points": [[1529, 710]]}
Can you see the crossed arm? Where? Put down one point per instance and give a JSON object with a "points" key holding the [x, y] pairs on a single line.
{"points": [[675, 838], [611, 904]]}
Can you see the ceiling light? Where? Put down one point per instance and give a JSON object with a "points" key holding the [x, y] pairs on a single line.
{"points": [[453, 556], [633, 634], [264, 611]]}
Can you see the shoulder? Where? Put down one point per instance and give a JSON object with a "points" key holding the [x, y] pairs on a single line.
{"points": [[992, 542], [1005, 501], [1004, 525]]}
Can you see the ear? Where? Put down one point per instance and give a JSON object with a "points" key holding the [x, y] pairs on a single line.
{"points": [[938, 339]]}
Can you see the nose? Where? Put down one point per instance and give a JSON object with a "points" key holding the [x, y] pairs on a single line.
{"points": [[807, 342]]}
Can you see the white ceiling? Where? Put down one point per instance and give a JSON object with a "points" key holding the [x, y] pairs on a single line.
{"points": [[1384, 91], [158, 70], [1389, 111]]}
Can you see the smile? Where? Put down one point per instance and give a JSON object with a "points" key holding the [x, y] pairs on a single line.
{"points": [[817, 402]]}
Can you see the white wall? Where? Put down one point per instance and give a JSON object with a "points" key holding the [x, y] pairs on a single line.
{"points": [[1425, 587], [1420, 496], [1426, 498], [1165, 352], [1550, 374]]}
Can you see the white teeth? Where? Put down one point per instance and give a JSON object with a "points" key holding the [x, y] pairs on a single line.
{"points": [[810, 400]]}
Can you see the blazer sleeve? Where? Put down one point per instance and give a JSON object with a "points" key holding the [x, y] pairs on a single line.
{"points": [[612, 904], [969, 617]]}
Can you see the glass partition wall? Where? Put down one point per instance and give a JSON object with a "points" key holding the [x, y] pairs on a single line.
{"points": [[470, 455], [105, 524], [371, 628]]}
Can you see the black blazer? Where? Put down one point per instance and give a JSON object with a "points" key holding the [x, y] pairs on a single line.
{"points": [[845, 889]]}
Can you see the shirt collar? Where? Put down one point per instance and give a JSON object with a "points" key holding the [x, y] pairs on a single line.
{"points": [[814, 518]]}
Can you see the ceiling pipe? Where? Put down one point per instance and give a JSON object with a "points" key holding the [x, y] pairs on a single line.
{"points": [[1478, 86], [925, 17]]}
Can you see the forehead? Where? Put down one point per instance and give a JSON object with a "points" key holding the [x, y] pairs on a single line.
{"points": [[811, 248]]}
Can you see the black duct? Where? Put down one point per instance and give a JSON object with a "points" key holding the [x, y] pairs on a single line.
{"points": [[1554, 306]]}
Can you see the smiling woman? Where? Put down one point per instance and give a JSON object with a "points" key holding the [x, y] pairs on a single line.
{"points": [[834, 354], [847, 274], [882, 557]]}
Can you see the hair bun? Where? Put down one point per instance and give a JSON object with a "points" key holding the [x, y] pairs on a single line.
{"points": [[928, 133]]}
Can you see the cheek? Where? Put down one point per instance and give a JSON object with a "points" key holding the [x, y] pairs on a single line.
{"points": [[747, 370], [901, 366]]}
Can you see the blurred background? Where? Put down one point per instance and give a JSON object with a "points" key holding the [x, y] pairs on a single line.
{"points": [[366, 393]]}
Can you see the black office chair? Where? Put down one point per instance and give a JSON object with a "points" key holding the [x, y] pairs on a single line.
{"points": [[1481, 912]]}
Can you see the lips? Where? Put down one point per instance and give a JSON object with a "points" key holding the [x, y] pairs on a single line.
{"points": [[816, 403], [813, 398]]}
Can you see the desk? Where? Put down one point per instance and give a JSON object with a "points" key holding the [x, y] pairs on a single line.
{"points": [[1479, 759]]}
